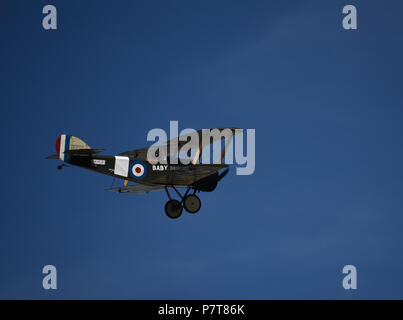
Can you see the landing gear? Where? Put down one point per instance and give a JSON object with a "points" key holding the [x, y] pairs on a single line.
{"points": [[192, 203], [173, 209]]}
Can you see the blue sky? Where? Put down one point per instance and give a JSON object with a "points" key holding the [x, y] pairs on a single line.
{"points": [[326, 104]]}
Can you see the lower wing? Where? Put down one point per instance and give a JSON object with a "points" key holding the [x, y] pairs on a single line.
{"points": [[138, 188]]}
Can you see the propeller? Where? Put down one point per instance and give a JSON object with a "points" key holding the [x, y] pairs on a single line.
{"points": [[223, 174]]}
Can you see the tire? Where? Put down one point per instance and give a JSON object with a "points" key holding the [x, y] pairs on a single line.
{"points": [[173, 209], [192, 203]]}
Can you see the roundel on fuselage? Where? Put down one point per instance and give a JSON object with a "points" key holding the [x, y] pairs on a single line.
{"points": [[138, 170]]}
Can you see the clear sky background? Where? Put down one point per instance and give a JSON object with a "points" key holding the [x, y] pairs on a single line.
{"points": [[326, 104]]}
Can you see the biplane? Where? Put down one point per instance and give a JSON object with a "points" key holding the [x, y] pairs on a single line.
{"points": [[135, 166]]}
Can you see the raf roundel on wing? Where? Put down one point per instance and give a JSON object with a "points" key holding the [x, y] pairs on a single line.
{"points": [[138, 170]]}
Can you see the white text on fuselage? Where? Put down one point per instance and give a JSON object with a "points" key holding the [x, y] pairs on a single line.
{"points": [[160, 167], [165, 167]]}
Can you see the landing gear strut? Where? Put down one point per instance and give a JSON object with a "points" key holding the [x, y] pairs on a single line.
{"points": [[191, 203]]}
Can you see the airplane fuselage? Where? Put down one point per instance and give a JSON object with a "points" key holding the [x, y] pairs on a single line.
{"points": [[142, 171]]}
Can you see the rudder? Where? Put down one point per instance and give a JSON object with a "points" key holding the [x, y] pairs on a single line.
{"points": [[67, 142]]}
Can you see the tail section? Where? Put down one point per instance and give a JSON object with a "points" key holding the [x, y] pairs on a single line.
{"points": [[67, 143]]}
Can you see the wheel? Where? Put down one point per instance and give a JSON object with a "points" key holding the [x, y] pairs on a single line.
{"points": [[192, 203], [173, 209]]}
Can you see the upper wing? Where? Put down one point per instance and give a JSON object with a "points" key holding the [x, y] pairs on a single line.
{"points": [[138, 188], [203, 137]]}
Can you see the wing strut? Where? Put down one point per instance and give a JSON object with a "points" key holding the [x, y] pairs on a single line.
{"points": [[198, 154], [225, 148]]}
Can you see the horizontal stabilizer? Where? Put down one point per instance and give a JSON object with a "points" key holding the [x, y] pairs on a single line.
{"points": [[83, 151], [53, 156]]}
